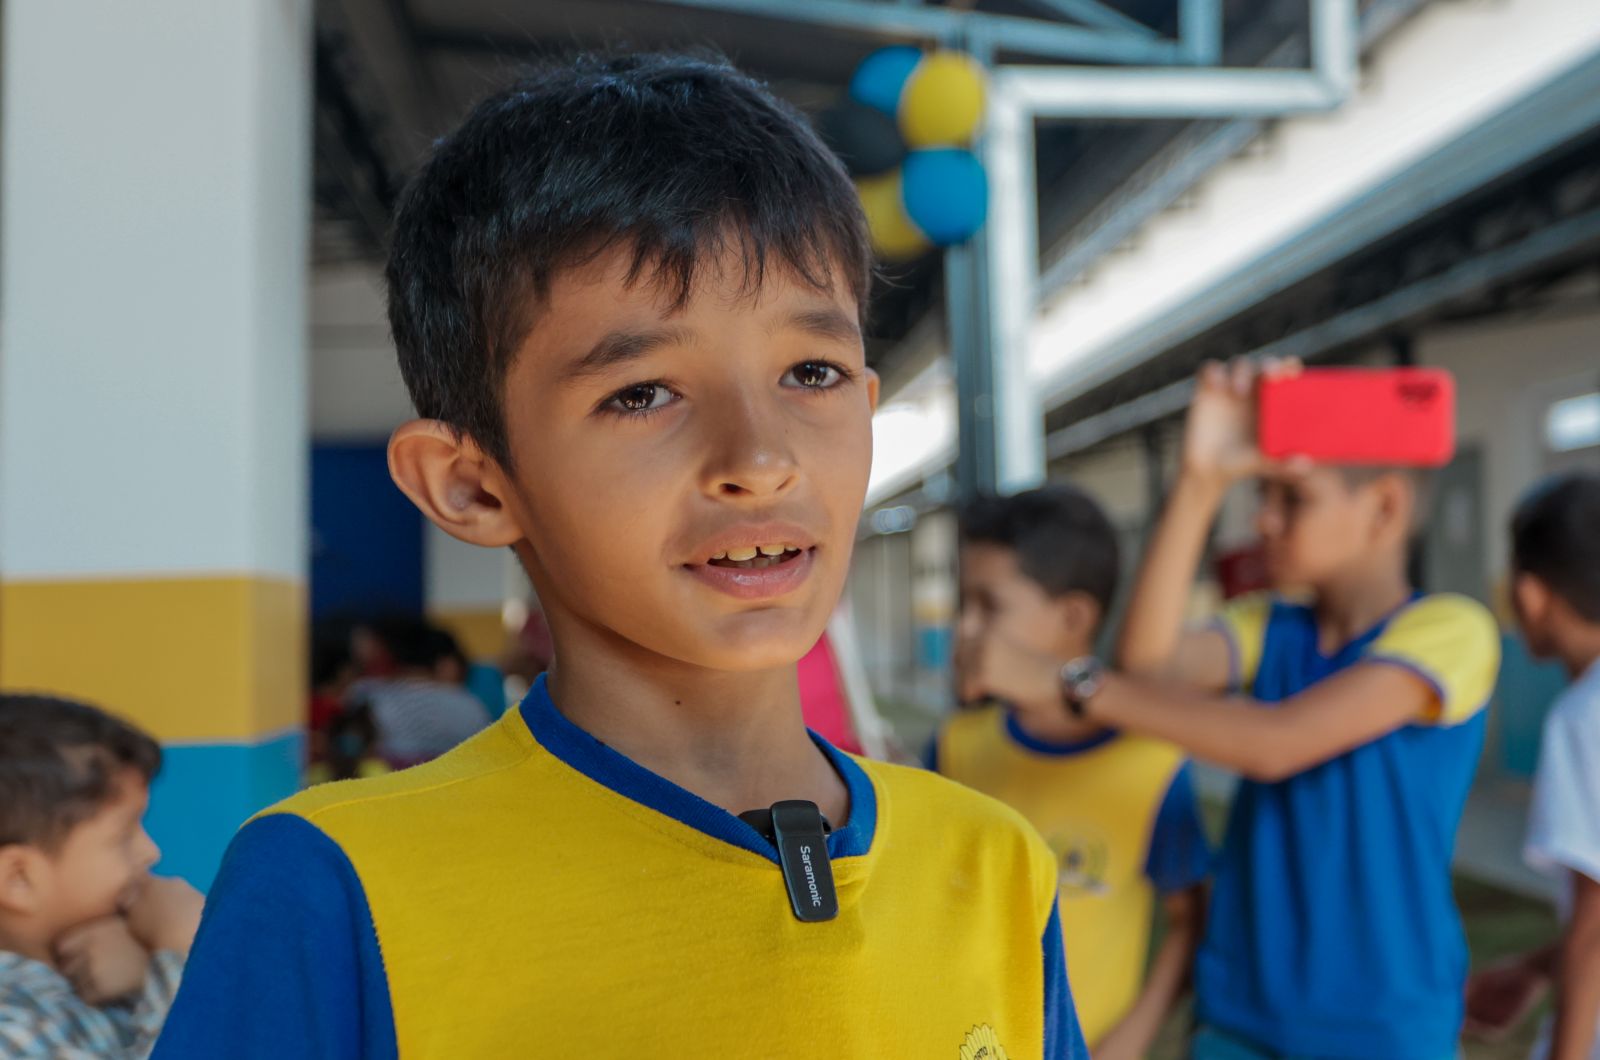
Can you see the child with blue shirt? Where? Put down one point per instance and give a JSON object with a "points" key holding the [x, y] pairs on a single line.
{"points": [[1354, 712], [627, 296], [1118, 810]]}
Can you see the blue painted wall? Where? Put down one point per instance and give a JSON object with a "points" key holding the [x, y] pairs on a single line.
{"points": [[1522, 698], [206, 791], [366, 537]]}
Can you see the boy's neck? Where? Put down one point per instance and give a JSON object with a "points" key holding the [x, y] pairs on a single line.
{"points": [[1057, 727], [1580, 650], [1357, 600], [736, 739], [1056, 724], [22, 942]]}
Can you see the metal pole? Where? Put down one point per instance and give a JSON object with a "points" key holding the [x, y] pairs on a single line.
{"points": [[966, 292], [1012, 271], [1200, 31]]}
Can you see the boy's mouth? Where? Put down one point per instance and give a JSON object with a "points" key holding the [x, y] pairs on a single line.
{"points": [[756, 557], [756, 561]]}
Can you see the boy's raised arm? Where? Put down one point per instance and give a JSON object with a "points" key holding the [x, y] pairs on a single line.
{"points": [[1436, 665], [1218, 450], [1153, 640]]}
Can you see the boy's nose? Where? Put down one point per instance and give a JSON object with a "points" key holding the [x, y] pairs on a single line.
{"points": [[1269, 521], [752, 456], [149, 852]]}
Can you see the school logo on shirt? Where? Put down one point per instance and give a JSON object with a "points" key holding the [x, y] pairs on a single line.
{"points": [[982, 1044], [1081, 862]]}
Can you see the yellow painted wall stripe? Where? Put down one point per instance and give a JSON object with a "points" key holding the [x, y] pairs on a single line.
{"points": [[208, 659], [480, 631]]}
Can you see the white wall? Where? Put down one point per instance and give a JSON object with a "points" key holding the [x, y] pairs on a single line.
{"points": [[1419, 90], [356, 390], [1507, 374], [156, 179]]}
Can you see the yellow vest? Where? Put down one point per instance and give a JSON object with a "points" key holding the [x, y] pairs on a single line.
{"points": [[1096, 807]]}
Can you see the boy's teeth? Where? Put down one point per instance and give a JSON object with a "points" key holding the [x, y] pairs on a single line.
{"points": [[773, 550], [741, 553], [720, 555]]}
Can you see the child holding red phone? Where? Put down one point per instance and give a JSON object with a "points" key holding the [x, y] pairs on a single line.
{"points": [[1356, 719]]}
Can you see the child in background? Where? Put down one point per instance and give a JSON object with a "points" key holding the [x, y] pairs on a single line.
{"points": [[352, 740], [333, 669], [91, 945], [1356, 719], [1118, 811], [420, 708], [1555, 565], [627, 295]]}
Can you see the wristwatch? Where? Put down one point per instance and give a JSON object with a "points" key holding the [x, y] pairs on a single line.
{"points": [[1080, 680]]}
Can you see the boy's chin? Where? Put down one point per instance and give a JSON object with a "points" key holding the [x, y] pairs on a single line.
{"points": [[754, 643]]}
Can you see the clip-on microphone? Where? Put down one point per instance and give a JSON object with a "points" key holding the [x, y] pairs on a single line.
{"points": [[800, 833]]}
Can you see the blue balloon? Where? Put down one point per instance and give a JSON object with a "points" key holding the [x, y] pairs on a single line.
{"points": [[946, 193], [881, 77]]}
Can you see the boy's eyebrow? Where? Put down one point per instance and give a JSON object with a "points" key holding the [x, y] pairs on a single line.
{"points": [[619, 347], [825, 322]]}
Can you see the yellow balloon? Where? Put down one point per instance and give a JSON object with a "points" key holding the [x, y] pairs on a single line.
{"points": [[894, 235], [942, 105]]}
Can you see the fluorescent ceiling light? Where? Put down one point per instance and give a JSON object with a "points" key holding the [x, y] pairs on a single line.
{"points": [[1573, 423]]}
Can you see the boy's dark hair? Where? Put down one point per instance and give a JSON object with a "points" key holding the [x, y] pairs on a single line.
{"points": [[414, 644], [1061, 537], [330, 654], [1555, 536], [1422, 481], [58, 759], [677, 157], [351, 737], [442, 645]]}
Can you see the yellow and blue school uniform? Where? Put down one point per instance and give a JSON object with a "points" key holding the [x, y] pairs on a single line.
{"points": [[534, 891], [1333, 929], [1120, 817]]}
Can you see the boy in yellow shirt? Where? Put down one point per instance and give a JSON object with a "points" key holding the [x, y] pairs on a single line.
{"points": [[1118, 810], [627, 296]]}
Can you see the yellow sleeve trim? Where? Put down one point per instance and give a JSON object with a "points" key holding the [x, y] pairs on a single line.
{"points": [[1243, 623], [1452, 643]]}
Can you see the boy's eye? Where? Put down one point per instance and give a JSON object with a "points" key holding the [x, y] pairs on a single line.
{"points": [[646, 397], [813, 375]]}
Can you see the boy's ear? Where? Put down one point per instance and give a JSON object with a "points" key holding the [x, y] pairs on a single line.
{"points": [[20, 889], [454, 482], [1531, 598], [1080, 615], [1396, 501]]}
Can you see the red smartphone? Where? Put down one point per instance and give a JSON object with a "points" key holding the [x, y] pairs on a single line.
{"points": [[1401, 417]]}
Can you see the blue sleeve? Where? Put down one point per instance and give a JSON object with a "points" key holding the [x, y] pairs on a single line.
{"points": [[1180, 856], [1063, 1038], [930, 754], [286, 962]]}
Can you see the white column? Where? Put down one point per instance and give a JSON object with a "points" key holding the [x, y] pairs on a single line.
{"points": [[156, 182]]}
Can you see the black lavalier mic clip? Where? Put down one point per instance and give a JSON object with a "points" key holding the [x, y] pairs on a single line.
{"points": [[800, 833]]}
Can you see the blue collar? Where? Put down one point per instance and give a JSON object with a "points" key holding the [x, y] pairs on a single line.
{"points": [[1352, 648], [614, 770], [1052, 747]]}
